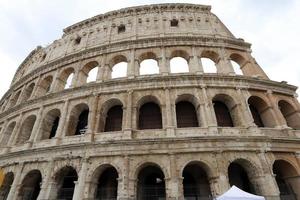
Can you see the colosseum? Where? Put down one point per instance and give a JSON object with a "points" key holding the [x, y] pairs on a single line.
{"points": [[185, 134]]}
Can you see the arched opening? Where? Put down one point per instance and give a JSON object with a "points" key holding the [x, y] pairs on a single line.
{"points": [[65, 181], [209, 60], [78, 122], [50, 124], [223, 114], [236, 67], [114, 118], [65, 79], [150, 116], [151, 184], [31, 185], [195, 182], [238, 176], [6, 184], [149, 66], [14, 99], [7, 133], [26, 129], [208, 65], [107, 184], [89, 72], [291, 115], [287, 179], [119, 67], [45, 86], [179, 65], [261, 112], [28, 91], [186, 115]]}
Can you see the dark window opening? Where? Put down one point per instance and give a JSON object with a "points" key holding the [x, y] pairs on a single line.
{"points": [[239, 177], [150, 116], [114, 119], [6, 185], [186, 115], [68, 185], [108, 185], [223, 115], [31, 186], [151, 184], [54, 128], [77, 40], [195, 183], [82, 122], [121, 28], [256, 116], [174, 23]]}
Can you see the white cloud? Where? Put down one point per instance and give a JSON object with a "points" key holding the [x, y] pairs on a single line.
{"points": [[270, 25]]}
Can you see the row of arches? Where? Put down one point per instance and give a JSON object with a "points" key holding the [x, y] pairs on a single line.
{"points": [[151, 181], [150, 116], [179, 61]]}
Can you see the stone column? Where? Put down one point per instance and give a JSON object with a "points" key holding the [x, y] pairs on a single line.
{"points": [[52, 86], [278, 117], [14, 135], [224, 66], [4, 128], [46, 184], [195, 63], [23, 91], [79, 186], [169, 115], [174, 188], [222, 181], [164, 63], [209, 110], [16, 183], [37, 126], [62, 126], [106, 72], [93, 108], [131, 65], [244, 107], [127, 121]]}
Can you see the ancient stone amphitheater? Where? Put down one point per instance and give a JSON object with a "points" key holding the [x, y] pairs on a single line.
{"points": [[174, 133]]}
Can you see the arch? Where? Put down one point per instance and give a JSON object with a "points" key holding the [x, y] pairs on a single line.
{"points": [[8, 132], [239, 177], [261, 112], [105, 182], [26, 129], [287, 179], [45, 86], [31, 185], [119, 66], [89, 72], [226, 111], [209, 60], [195, 181], [50, 124], [179, 61], [237, 61], [290, 114], [78, 120], [64, 183], [6, 185], [15, 98], [149, 113], [150, 182], [186, 114], [28, 91], [65, 79], [148, 64]]}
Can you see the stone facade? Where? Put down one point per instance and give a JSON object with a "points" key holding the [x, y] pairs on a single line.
{"points": [[41, 143]]}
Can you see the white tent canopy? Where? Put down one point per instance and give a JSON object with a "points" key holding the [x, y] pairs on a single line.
{"points": [[235, 193]]}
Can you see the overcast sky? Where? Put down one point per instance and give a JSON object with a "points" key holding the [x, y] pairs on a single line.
{"points": [[272, 26]]}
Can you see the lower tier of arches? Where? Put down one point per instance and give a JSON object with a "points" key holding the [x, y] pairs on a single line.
{"points": [[168, 176]]}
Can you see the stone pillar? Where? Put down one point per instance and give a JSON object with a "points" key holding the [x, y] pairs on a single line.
{"points": [[79, 186], [174, 188], [21, 97], [46, 184], [169, 115], [123, 182], [62, 126], [16, 183], [131, 65], [195, 63], [209, 109], [4, 128], [52, 86], [93, 108], [14, 135], [222, 181], [225, 67], [278, 117], [164, 63], [37, 126], [127, 121], [106, 72], [201, 111], [244, 108]]}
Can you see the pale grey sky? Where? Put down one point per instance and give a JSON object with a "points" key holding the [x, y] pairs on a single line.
{"points": [[272, 26]]}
